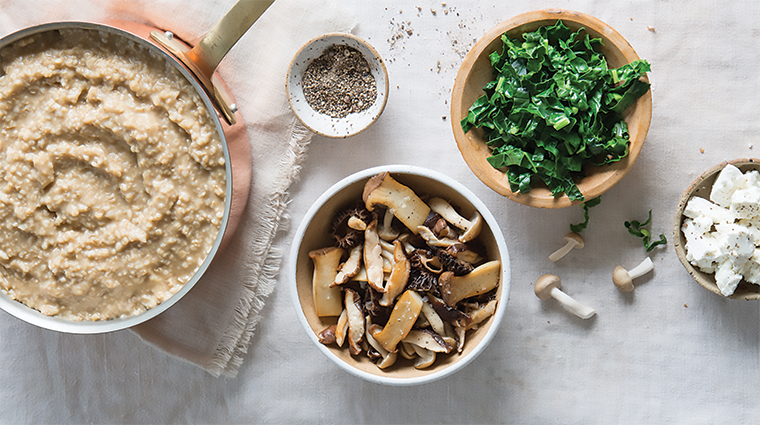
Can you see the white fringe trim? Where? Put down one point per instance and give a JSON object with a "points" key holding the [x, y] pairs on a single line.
{"points": [[233, 346]]}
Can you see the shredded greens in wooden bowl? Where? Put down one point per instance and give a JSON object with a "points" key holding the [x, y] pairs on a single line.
{"points": [[554, 106]]}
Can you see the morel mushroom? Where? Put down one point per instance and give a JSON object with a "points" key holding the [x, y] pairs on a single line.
{"points": [[403, 316], [327, 299], [405, 205], [482, 279]]}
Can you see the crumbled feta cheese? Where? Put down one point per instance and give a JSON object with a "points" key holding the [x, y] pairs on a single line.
{"points": [[723, 236], [702, 207], [725, 185], [745, 203]]}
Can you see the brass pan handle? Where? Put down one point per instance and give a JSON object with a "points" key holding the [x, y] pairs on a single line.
{"points": [[203, 59]]}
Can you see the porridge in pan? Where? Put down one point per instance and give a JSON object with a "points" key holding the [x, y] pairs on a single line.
{"points": [[112, 176]]}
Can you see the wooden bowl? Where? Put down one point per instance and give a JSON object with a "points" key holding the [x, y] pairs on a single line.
{"points": [[702, 187], [313, 233], [476, 72]]}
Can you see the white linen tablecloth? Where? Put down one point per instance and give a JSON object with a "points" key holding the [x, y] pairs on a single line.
{"points": [[669, 352]]}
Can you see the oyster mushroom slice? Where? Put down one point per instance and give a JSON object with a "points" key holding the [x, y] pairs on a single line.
{"points": [[426, 357], [341, 328], [479, 281], [482, 313], [405, 205], [436, 323], [470, 228], [434, 240], [373, 257], [356, 325], [388, 358], [401, 320], [327, 300], [428, 340], [399, 275], [350, 267]]}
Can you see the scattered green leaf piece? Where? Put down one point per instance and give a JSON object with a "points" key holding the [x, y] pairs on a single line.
{"points": [[554, 106], [635, 228], [577, 228]]}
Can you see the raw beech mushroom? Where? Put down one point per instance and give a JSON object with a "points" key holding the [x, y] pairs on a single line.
{"points": [[409, 208], [327, 299], [547, 286], [623, 279], [470, 228], [479, 281], [572, 240]]}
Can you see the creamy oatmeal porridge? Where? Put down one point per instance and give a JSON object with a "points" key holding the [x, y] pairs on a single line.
{"points": [[112, 176]]}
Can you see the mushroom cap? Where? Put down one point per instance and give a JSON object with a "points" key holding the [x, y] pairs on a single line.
{"points": [[572, 236], [622, 279], [545, 284]]}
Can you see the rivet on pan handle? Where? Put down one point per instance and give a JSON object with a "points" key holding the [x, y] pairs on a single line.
{"points": [[203, 59]]}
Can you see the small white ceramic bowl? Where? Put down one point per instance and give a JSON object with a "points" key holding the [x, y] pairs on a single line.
{"points": [[324, 124], [313, 233]]}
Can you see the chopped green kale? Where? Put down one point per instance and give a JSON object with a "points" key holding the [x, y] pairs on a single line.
{"points": [[553, 107]]}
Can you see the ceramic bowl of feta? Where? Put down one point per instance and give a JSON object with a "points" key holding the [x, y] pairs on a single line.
{"points": [[717, 229]]}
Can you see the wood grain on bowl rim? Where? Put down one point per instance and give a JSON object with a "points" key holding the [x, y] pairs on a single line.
{"points": [[476, 71], [701, 187]]}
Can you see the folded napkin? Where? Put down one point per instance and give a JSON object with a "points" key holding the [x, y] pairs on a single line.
{"points": [[213, 324]]}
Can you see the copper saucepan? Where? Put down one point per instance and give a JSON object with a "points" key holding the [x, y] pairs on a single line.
{"points": [[198, 65]]}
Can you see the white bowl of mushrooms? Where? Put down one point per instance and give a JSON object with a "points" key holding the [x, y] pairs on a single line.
{"points": [[400, 275]]}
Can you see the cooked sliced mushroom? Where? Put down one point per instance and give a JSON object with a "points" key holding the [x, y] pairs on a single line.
{"points": [[399, 276], [479, 281], [407, 351], [327, 300], [434, 240], [402, 318], [426, 357], [373, 258], [388, 358], [429, 340], [462, 252], [386, 231], [436, 323], [470, 228], [481, 313], [356, 224], [356, 328], [341, 328], [405, 205], [327, 335], [350, 267], [449, 314]]}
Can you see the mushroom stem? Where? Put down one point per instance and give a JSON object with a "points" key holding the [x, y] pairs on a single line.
{"points": [[547, 286], [643, 268], [572, 240], [623, 279], [580, 310]]}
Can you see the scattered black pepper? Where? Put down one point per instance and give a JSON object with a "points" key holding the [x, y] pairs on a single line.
{"points": [[339, 82]]}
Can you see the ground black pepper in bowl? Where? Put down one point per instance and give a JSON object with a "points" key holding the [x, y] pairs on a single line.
{"points": [[339, 82]]}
